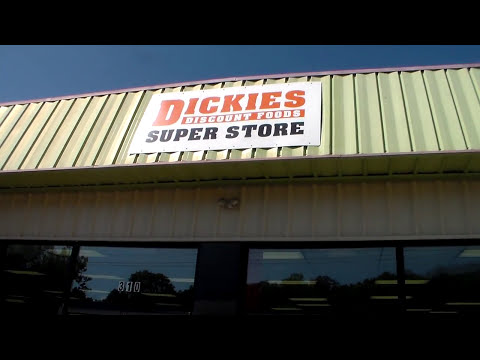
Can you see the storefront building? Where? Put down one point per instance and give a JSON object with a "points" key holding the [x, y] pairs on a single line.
{"points": [[319, 194]]}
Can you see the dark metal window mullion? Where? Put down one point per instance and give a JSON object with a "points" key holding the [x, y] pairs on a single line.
{"points": [[3, 256], [401, 278], [70, 277]]}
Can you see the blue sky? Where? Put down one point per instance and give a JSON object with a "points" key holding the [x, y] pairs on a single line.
{"points": [[40, 71]]}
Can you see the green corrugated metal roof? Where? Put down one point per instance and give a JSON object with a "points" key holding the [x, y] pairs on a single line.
{"points": [[372, 116]]}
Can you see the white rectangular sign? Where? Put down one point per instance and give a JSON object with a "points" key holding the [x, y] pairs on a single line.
{"points": [[231, 118]]}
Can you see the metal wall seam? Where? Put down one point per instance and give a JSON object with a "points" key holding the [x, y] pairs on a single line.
{"points": [[79, 136], [4, 112], [445, 117], [97, 135], [46, 135], [63, 133], [10, 121], [474, 76], [118, 129], [368, 114], [419, 117], [467, 105], [123, 157], [344, 115], [18, 133], [397, 138], [325, 147]]}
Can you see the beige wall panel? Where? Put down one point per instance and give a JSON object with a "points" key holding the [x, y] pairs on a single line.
{"points": [[427, 208], [473, 206], [30, 214], [67, 213], [323, 211], [300, 210], [375, 208], [400, 204], [86, 215], [453, 207], [183, 212], [350, 216], [251, 211], [103, 212], [122, 215], [276, 211], [163, 213], [325, 208], [229, 218], [142, 213], [205, 220]]}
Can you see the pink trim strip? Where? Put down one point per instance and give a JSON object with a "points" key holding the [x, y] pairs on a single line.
{"points": [[251, 77]]}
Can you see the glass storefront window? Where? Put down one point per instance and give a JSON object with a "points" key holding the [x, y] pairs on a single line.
{"points": [[443, 280], [116, 280], [322, 281], [35, 279]]}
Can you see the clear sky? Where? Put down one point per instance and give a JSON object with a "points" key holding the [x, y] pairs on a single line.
{"points": [[40, 71]]}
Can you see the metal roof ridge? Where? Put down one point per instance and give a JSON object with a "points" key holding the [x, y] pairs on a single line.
{"points": [[249, 77]]}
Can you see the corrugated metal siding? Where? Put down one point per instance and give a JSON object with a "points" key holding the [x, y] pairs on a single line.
{"points": [[374, 113], [325, 211]]}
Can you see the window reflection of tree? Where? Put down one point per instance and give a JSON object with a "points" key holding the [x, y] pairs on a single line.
{"points": [[262, 297], [41, 290], [445, 287]]}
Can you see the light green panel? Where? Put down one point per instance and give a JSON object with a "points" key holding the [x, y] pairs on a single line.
{"points": [[343, 116], [372, 113], [118, 129], [30, 136], [98, 133], [17, 132], [265, 153], [297, 79], [422, 131], [395, 127], [370, 139], [80, 134], [63, 133], [47, 134], [467, 104], [474, 74], [10, 121], [4, 111], [241, 154], [291, 151], [230, 84], [325, 147], [447, 123], [122, 156]]}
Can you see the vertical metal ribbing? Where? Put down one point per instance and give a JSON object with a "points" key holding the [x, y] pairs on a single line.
{"points": [[195, 210], [243, 205], [266, 190], [339, 209]]}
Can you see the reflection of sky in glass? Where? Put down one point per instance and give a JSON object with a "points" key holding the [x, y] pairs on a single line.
{"points": [[109, 265], [426, 260], [347, 266]]}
